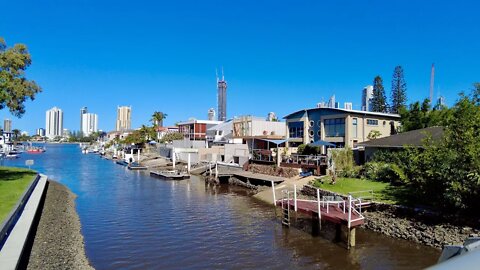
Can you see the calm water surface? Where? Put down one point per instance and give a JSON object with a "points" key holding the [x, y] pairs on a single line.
{"points": [[133, 221]]}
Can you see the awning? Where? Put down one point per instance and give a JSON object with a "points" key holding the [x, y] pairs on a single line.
{"points": [[322, 143], [277, 142]]}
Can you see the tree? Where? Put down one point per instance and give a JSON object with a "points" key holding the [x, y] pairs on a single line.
{"points": [[16, 133], [399, 90], [15, 89], [379, 100], [374, 134], [172, 137], [157, 118]]}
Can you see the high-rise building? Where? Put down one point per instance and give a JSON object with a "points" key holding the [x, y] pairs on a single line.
{"points": [[83, 111], [367, 95], [331, 102], [7, 125], [211, 114], [440, 103], [124, 118], [348, 106], [271, 117], [54, 123], [89, 123], [41, 132], [222, 98]]}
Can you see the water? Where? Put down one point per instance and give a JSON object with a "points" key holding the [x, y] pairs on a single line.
{"points": [[132, 221]]}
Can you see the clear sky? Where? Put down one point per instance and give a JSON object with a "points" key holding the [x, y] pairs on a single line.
{"points": [[278, 56]]}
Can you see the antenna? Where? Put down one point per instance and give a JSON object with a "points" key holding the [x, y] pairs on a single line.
{"points": [[216, 74], [432, 81], [223, 77]]}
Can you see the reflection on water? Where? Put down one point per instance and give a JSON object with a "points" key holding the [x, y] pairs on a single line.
{"points": [[132, 221]]}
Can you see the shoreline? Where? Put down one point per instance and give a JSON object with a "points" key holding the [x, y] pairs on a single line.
{"points": [[58, 242]]}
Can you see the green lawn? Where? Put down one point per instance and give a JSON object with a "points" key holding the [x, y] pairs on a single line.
{"points": [[13, 183], [383, 192]]}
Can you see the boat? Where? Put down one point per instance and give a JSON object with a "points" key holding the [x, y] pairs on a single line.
{"points": [[122, 162], [170, 175], [12, 156], [136, 166], [35, 150]]}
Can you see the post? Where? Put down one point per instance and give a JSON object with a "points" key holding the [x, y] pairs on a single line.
{"points": [[188, 162], [349, 210], [318, 205], [210, 168], [273, 191], [173, 157], [216, 170], [138, 155], [295, 197]]}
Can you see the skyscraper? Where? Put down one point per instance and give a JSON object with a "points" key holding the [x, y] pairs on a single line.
{"points": [[54, 123], [367, 95], [331, 102], [222, 98], [90, 123], [124, 121], [83, 111], [211, 114], [7, 125]]}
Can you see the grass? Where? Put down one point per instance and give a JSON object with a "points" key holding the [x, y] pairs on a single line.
{"points": [[13, 183], [383, 192]]}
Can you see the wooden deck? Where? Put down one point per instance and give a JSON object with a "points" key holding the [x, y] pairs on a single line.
{"points": [[334, 214]]}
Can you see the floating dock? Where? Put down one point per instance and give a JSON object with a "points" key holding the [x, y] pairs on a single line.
{"points": [[134, 166], [170, 175]]}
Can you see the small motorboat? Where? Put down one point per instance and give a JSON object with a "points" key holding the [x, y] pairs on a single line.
{"points": [[136, 166], [12, 156], [170, 175]]}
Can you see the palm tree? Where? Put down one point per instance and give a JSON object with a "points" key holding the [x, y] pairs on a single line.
{"points": [[16, 133], [157, 118]]}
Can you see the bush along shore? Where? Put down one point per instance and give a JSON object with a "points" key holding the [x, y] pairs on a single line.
{"points": [[58, 242], [417, 225]]}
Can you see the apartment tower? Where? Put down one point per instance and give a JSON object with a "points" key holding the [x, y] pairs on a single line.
{"points": [[367, 95], [7, 125], [54, 123], [124, 120]]}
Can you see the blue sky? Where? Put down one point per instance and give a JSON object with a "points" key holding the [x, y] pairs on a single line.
{"points": [[278, 56]]}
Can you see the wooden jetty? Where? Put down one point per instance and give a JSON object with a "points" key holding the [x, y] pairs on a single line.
{"points": [[170, 175], [345, 214]]}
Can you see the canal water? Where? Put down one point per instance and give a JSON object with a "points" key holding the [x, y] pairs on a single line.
{"points": [[132, 221]]}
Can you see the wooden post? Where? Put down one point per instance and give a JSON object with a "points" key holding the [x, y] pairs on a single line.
{"points": [[351, 237], [188, 163], [295, 197], [173, 157], [274, 197], [319, 209]]}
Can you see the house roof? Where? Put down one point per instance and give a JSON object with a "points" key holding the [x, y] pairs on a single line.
{"points": [[412, 138], [346, 111]]}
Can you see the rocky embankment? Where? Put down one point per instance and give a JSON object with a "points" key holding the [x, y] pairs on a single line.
{"points": [[58, 243], [430, 230]]}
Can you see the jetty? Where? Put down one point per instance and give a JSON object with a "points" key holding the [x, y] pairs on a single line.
{"points": [[345, 214]]}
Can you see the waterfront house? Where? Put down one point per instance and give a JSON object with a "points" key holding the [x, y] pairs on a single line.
{"points": [[342, 127], [262, 136], [196, 129], [413, 138], [162, 131]]}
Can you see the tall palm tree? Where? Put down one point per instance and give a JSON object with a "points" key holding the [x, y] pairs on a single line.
{"points": [[16, 133], [157, 118]]}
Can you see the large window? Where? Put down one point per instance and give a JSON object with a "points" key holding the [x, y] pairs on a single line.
{"points": [[334, 127], [355, 127], [295, 129], [372, 122]]}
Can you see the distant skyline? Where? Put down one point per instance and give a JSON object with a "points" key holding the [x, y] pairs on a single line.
{"points": [[278, 56]]}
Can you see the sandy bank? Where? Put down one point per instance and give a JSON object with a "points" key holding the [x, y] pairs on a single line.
{"points": [[58, 243]]}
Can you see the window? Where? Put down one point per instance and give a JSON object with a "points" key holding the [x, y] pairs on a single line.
{"points": [[319, 123], [295, 129], [334, 127], [372, 122], [311, 133], [355, 127], [312, 123]]}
